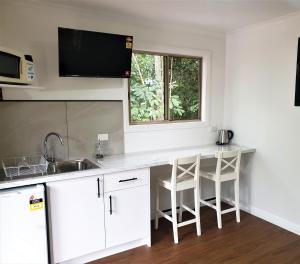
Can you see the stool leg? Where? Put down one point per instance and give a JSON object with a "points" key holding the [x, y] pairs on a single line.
{"points": [[180, 206], [174, 216], [197, 211], [218, 203], [200, 180], [237, 200], [156, 207]]}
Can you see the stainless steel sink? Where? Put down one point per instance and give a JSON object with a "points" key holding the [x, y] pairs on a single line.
{"points": [[70, 166]]}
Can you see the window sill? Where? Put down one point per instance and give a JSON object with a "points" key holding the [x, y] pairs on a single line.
{"points": [[165, 126]]}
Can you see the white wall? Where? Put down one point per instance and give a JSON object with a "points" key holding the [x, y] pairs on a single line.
{"points": [[1, 24], [33, 27], [259, 98]]}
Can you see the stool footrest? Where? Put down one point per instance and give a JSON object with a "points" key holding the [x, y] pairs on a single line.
{"points": [[228, 210], [165, 215], [208, 204], [171, 219], [189, 209], [192, 221]]}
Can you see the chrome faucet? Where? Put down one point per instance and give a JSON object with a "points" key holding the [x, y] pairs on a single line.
{"points": [[45, 144]]}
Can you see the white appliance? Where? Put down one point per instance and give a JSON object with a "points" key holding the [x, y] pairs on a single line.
{"points": [[16, 67], [23, 233]]}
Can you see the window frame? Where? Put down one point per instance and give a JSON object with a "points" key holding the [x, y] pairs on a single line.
{"points": [[167, 119]]}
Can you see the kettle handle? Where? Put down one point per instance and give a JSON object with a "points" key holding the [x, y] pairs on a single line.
{"points": [[230, 134]]}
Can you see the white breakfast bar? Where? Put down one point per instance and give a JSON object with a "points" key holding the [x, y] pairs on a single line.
{"points": [[103, 211]]}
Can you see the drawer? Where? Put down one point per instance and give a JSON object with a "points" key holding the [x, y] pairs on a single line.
{"points": [[126, 179]]}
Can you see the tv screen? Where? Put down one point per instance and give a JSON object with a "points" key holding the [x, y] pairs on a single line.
{"points": [[93, 54], [297, 93]]}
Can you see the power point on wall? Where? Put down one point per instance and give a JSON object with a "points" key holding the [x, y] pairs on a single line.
{"points": [[102, 137]]}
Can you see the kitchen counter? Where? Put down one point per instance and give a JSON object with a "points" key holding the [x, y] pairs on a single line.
{"points": [[123, 162]]}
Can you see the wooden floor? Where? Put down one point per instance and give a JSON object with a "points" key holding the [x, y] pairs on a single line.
{"points": [[251, 241]]}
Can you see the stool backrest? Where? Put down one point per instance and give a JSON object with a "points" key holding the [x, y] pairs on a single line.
{"points": [[179, 172], [228, 161]]}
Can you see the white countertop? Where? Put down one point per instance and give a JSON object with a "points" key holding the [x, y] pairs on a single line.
{"points": [[123, 162]]}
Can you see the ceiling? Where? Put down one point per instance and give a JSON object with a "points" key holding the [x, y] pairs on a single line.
{"points": [[213, 15]]}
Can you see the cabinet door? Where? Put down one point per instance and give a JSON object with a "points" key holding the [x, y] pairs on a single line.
{"points": [[77, 217], [127, 215]]}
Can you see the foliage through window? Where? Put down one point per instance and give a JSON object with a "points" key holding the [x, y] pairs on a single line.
{"points": [[164, 88]]}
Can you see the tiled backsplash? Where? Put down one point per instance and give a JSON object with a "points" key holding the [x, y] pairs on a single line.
{"points": [[24, 125]]}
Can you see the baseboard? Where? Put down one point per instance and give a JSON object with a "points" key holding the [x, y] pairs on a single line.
{"points": [[274, 219], [269, 217], [109, 251]]}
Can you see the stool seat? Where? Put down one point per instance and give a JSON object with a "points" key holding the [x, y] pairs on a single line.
{"points": [[183, 183], [210, 174]]}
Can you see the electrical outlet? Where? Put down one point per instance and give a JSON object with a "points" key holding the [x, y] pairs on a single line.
{"points": [[102, 137]]}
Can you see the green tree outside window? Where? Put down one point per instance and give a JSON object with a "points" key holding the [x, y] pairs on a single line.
{"points": [[164, 88]]}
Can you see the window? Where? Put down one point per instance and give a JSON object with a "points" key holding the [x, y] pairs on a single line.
{"points": [[164, 88]]}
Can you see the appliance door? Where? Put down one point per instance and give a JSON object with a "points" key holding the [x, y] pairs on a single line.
{"points": [[23, 234], [9, 65]]}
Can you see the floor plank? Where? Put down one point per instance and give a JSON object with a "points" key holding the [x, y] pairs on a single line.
{"points": [[251, 241]]}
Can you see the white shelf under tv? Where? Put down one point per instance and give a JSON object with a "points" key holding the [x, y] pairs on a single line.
{"points": [[21, 86]]}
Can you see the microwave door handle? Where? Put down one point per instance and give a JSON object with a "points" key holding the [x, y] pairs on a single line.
{"points": [[21, 67]]}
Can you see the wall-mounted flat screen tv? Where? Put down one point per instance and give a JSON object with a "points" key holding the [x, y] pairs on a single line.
{"points": [[297, 93], [93, 54]]}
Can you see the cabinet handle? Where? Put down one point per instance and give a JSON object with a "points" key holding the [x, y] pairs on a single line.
{"points": [[110, 205], [98, 183], [126, 180]]}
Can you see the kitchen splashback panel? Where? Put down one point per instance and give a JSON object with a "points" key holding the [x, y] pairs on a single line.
{"points": [[87, 119], [23, 126]]}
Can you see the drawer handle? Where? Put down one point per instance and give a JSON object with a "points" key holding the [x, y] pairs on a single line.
{"points": [[98, 183], [126, 180], [110, 205]]}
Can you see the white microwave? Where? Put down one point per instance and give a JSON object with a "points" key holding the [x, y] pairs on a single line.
{"points": [[15, 67]]}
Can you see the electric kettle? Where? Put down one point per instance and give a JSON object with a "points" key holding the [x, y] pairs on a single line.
{"points": [[224, 137]]}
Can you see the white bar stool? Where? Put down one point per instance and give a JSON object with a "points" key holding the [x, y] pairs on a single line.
{"points": [[227, 169], [180, 180]]}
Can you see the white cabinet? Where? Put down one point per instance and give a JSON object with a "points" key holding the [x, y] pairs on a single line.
{"points": [[127, 215], [91, 214], [77, 217]]}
